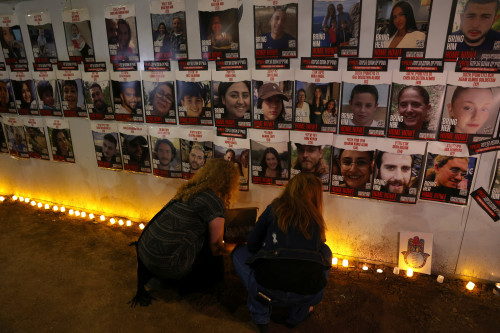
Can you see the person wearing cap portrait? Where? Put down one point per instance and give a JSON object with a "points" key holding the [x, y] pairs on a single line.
{"points": [[136, 147], [271, 102]]}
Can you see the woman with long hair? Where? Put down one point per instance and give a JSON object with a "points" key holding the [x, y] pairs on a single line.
{"points": [[329, 24], [271, 164], [286, 261], [182, 245], [403, 28], [316, 107], [302, 112], [235, 97], [329, 116]]}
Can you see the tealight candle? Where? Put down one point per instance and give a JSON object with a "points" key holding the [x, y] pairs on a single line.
{"points": [[470, 285], [335, 261], [345, 263], [409, 272]]}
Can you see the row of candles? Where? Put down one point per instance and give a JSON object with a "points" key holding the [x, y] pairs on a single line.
{"points": [[72, 212], [102, 218], [409, 273]]}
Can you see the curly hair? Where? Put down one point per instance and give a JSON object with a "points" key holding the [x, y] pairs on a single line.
{"points": [[218, 175], [300, 205]]}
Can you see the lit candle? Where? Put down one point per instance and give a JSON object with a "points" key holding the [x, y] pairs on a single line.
{"points": [[120, 222], [396, 270], [39, 205], [63, 209], [26, 200], [470, 285], [345, 263], [14, 197], [440, 279], [55, 208], [70, 212], [102, 218], [112, 221], [141, 226], [33, 203], [91, 216], [409, 272], [129, 223], [83, 214], [21, 199], [335, 261], [77, 212], [365, 268], [2, 198], [47, 206], [496, 290], [379, 271]]}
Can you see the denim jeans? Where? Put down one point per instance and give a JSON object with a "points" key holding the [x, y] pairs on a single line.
{"points": [[260, 309]]}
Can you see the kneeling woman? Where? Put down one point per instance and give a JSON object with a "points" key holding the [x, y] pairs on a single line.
{"points": [[286, 261], [183, 243]]}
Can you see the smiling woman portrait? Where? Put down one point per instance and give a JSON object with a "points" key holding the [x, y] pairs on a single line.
{"points": [[403, 28]]}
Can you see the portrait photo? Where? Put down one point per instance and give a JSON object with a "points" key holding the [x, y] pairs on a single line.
{"points": [[193, 100], [472, 111], [402, 24], [314, 159], [48, 95], [71, 92], [98, 98], [194, 155], [159, 99], [169, 36], [166, 154], [416, 107], [219, 34], [42, 41], [352, 168], [37, 142], [273, 101], [364, 105], [397, 173], [79, 41], [61, 144], [448, 175], [335, 25], [474, 26], [276, 31], [26, 100], [107, 150], [122, 39], [127, 97], [270, 160], [317, 103], [12, 43], [233, 101]]}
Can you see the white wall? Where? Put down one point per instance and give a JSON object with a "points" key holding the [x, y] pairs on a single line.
{"points": [[465, 239]]}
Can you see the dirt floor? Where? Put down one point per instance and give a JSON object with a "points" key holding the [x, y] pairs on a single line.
{"points": [[62, 274]]}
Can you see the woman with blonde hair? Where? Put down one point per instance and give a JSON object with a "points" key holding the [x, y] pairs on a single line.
{"points": [[286, 261], [182, 245]]}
